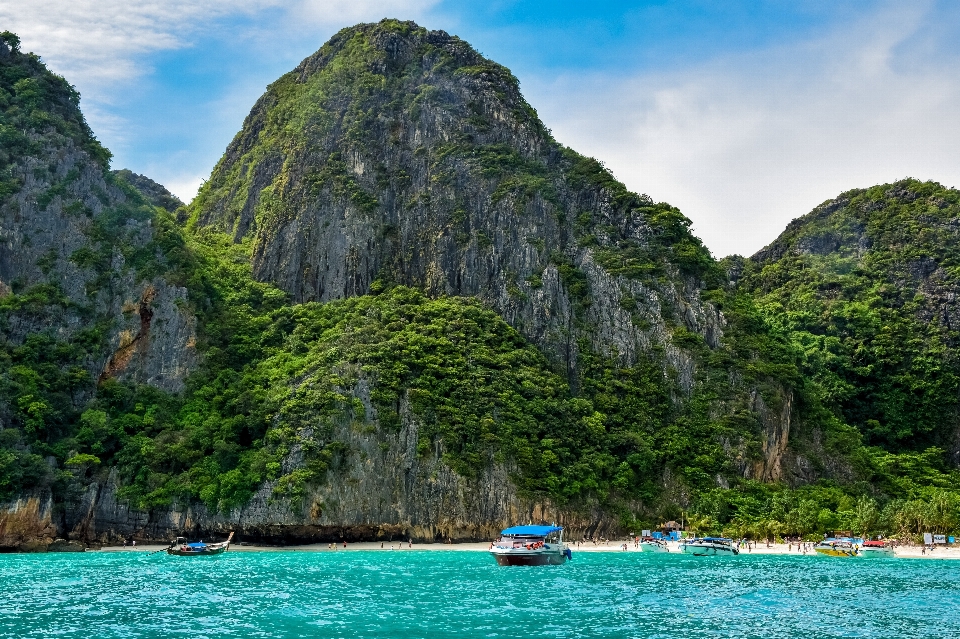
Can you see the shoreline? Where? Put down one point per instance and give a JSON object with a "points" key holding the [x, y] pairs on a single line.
{"points": [[911, 552]]}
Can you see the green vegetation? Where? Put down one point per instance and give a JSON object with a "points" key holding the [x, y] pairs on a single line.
{"points": [[764, 511], [33, 100], [858, 292], [863, 294], [670, 244]]}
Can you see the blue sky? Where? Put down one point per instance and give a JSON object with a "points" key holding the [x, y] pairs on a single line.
{"points": [[743, 114]]}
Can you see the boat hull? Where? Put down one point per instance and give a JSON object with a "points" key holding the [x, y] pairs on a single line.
{"points": [[708, 550], [196, 553], [650, 547], [532, 559], [549, 556], [877, 553], [836, 552]]}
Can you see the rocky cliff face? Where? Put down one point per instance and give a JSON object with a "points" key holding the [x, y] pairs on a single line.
{"points": [[397, 154], [84, 292], [400, 155], [387, 491], [78, 247]]}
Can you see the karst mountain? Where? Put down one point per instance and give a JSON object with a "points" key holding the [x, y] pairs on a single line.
{"points": [[400, 308]]}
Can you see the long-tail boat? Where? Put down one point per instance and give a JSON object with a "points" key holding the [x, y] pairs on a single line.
{"points": [[198, 548]]}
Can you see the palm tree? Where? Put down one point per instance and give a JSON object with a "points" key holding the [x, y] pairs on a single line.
{"points": [[865, 517]]}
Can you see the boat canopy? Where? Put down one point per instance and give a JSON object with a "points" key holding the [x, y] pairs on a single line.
{"points": [[849, 540], [724, 539], [532, 531]]}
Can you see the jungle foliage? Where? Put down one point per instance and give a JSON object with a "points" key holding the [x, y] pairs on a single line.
{"points": [[32, 99], [862, 287]]}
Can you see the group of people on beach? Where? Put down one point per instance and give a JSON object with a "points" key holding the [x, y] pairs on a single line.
{"points": [[599, 541]]}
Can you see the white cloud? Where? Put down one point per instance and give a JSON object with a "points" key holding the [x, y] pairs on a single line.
{"points": [[99, 42], [745, 144], [352, 11], [104, 47], [184, 186]]}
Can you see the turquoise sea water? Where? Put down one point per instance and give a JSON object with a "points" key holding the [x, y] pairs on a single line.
{"points": [[465, 595]]}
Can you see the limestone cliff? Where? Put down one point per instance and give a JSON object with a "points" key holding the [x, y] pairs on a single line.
{"points": [[85, 239], [400, 155], [397, 154], [393, 493], [84, 295]]}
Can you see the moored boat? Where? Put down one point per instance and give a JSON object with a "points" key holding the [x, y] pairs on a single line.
{"points": [[198, 549], [650, 544], [531, 546], [876, 549], [709, 546], [838, 547]]}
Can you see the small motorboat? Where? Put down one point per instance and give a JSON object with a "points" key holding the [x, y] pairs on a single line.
{"points": [[838, 547], [709, 546], [531, 546], [876, 549], [650, 544], [198, 549]]}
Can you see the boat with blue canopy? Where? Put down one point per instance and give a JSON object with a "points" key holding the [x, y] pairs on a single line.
{"points": [[531, 546]]}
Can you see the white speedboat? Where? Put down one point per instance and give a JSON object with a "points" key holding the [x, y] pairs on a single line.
{"points": [[531, 546], [709, 546], [876, 550], [649, 544]]}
